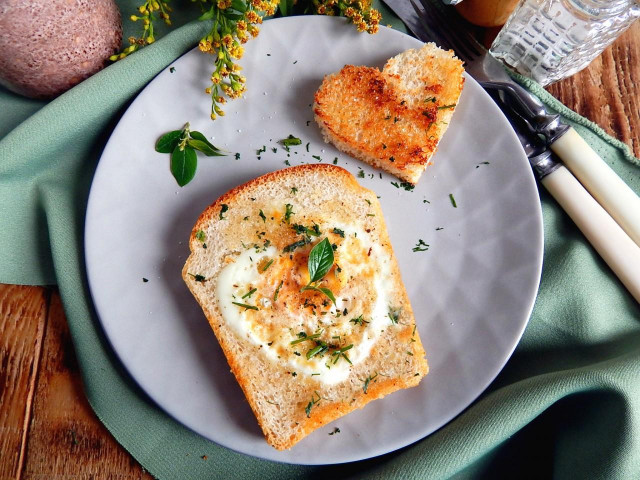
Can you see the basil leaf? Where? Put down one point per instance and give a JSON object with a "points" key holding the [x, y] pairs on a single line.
{"points": [[204, 148], [168, 142], [199, 136], [183, 165], [320, 260]]}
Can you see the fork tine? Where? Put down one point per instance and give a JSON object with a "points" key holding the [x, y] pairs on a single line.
{"points": [[453, 30]]}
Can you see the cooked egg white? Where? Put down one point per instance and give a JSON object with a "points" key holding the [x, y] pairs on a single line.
{"points": [[271, 311]]}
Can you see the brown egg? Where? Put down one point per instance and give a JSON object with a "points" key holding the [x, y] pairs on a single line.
{"points": [[48, 46]]}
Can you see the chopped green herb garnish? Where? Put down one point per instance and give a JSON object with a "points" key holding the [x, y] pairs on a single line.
{"points": [[275, 295], [198, 277], [311, 404], [237, 156], [145, 280], [294, 190], [395, 119], [429, 99], [407, 186], [395, 184], [341, 354], [288, 211], [307, 146], [286, 162], [294, 245], [335, 161], [445, 107], [361, 174], [200, 236], [249, 293], [223, 208], [335, 430], [358, 320], [317, 350], [290, 141], [453, 201], [392, 159], [274, 149], [245, 306], [394, 315], [421, 246], [482, 163], [304, 337], [262, 216], [337, 231], [368, 380], [301, 229], [317, 157], [264, 269]]}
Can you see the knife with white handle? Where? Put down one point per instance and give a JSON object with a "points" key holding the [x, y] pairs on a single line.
{"points": [[598, 178], [605, 235], [604, 184]]}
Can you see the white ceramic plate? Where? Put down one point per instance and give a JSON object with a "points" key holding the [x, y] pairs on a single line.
{"points": [[472, 290]]}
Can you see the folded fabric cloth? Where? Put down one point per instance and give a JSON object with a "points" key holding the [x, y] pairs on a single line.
{"points": [[567, 404]]}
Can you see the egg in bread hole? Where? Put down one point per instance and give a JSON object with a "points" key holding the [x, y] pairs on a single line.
{"points": [[261, 294], [296, 275]]}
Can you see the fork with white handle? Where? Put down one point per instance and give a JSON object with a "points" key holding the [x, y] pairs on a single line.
{"points": [[608, 214]]}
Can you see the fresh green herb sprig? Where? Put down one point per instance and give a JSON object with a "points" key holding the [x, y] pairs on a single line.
{"points": [[320, 262], [182, 145]]}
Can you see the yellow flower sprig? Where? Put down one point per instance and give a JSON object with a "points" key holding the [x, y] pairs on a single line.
{"points": [[359, 12], [234, 23], [147, 14]]}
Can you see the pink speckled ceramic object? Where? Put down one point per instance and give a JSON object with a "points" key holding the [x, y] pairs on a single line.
{"points": [[48, 46]]}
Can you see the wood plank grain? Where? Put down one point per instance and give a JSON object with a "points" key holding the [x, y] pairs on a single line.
{"points": [[22, 322], [608, 91], [66, 440]]}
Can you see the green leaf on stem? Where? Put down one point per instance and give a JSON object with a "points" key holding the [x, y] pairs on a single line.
{"points": [[239, 5], [320, 260], [183, 165], [168, 142], [207, 15]]}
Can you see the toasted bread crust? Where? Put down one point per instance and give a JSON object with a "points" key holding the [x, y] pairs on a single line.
{"points": [[277, 397], [392, 119]]}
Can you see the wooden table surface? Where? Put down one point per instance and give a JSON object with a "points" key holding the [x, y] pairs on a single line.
{"points": [[47, 428]]}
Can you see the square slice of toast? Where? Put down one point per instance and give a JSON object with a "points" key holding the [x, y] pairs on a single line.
{"points": [[297, 278]]}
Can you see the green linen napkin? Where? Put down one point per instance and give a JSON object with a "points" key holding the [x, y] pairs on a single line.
{"points": [[566, 405]]}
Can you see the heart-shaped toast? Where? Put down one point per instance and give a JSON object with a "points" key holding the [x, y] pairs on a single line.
{"points": [[392, 119]]}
